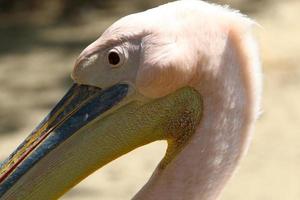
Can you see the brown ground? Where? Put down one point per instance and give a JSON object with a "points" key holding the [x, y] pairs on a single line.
{"points": [[35, 62]]}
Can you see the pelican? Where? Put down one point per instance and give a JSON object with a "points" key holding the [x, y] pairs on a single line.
{"points": [[187, 72]]}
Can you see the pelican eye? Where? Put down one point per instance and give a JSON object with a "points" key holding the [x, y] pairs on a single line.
{"points": [[115, 57]]}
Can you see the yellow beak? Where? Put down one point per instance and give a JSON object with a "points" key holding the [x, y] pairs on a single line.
{"points": [[89, 128], [78, 107]]}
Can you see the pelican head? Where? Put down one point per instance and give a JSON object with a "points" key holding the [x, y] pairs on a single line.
{"points": [[186, 72]]}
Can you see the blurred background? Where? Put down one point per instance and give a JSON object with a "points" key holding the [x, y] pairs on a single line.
{"points": [[40, 40]]}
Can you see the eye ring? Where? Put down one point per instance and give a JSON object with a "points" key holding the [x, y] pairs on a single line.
{"points": [[115, 57]]}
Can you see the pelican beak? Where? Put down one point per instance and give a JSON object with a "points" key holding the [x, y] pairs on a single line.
{"points": [[79, 107], [89, 128]]}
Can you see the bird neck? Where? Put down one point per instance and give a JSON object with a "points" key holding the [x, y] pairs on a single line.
{"points": [[210, 157]]}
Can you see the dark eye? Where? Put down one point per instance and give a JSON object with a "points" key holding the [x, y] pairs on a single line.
{"points": [[114, 58]]}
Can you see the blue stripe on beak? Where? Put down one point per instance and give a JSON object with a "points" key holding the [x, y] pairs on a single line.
{"points": [[78, 107]]}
